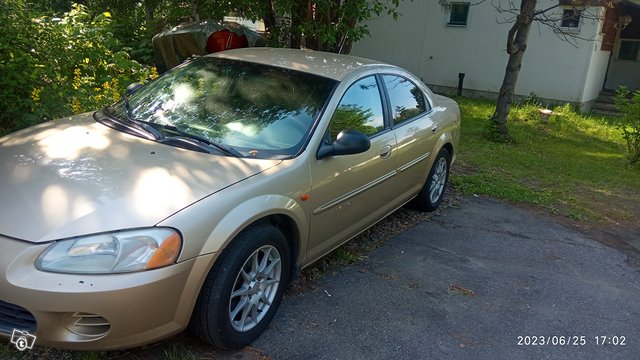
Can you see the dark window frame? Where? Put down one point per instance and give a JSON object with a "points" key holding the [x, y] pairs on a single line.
{"points": [[633, 43], [463, 20], [571, 18]]}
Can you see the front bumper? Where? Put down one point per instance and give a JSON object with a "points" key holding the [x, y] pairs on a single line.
{"points": [[96, 312]]}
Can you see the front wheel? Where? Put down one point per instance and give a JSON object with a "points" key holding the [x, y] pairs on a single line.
{"points": [[243, 290], [432, 193]]}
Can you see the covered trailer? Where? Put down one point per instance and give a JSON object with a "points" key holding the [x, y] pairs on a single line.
{"points": [[174, 46]]}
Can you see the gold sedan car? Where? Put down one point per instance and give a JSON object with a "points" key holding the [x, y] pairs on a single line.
{"points": [[197, 198]]}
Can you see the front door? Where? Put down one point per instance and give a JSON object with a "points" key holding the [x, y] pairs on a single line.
{"points": [[349, 192]]}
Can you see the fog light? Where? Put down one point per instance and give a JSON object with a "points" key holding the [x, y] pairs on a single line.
{"points": [[88, 325]]}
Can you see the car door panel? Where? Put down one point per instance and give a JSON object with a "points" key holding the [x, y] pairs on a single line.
{"points": [[350, 192], [415, 146], [415, 130]]}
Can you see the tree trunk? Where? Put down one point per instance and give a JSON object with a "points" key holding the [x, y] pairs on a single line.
{"points": [[299, 15], [505, 98], [269, 17], [195, 16], [149, 7], [516, 46], [343, 43], [150, 20]]}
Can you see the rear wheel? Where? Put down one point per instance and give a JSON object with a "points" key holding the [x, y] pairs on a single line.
{"points": [[243, 290], [432, 193]]}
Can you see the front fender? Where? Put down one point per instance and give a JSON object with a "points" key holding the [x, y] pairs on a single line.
{"points": [[210, 224], [250, 211]]}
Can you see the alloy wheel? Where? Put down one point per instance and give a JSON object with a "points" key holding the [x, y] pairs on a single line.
{"points": [[438, 181], [255, 288]]}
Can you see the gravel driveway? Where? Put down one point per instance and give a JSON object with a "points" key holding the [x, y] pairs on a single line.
{"points": [[482, 281]]}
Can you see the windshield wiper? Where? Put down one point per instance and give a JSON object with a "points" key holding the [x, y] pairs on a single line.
{"points": [[226, 148], [141, 125], [156, 131]]}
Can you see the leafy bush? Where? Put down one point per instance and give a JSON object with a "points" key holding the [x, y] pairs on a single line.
{"points": [[628, 104], [53, 67], [17, 65], [525, 112], [533, 100]]}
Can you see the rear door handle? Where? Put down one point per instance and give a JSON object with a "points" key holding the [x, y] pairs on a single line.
{"points": [[385, 152], [434, 128]]}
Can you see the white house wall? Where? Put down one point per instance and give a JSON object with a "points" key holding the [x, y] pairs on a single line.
{"points": [[476, 50], [397, 42], [421, 41], [596, 73]]}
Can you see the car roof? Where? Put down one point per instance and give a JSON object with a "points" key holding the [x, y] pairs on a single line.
{"points": [[334, 66]]}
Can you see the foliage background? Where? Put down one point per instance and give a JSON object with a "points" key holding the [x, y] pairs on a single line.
{"points": [[53, 66], [59, 58], [628, 103]]}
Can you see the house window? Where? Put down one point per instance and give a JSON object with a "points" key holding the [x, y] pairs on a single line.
{"points": [[570, 18], [459, 13], [629, 50]]}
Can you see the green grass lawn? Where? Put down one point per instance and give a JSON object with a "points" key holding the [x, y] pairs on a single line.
{"points": [[575, 165]]}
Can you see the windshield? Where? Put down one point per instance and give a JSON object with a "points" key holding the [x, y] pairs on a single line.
{"points": [[262, 111]]}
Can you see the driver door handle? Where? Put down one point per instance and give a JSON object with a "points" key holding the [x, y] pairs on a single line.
{"points": [[385, 152]]}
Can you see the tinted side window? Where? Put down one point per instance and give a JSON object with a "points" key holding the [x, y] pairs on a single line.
{"points": [[407, 100], [360, 109]]}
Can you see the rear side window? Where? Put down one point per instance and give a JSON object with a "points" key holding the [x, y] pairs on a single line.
{"points": [[407, 100]]}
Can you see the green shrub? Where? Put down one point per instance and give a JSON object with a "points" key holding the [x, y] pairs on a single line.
{"points": [[525, 112], [629, 123], [54, 67], [533, 100]]}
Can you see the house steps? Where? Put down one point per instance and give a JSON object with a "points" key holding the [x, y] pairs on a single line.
{"points": [[605, 104]]}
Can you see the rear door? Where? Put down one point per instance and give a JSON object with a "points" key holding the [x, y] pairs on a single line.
{"points": [[415, 128]]}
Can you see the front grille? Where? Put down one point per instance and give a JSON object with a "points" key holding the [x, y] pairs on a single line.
{"points": [[15, 317]]}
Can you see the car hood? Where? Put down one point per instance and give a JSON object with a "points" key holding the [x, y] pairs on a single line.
{"points": [[75, 176]]}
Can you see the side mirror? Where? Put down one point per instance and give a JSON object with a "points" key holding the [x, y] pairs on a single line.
{"points": [[348, 142], [132, 88]]}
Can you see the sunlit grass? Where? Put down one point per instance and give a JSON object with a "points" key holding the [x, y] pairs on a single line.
{"points": [[9, 351], [574, 165]]}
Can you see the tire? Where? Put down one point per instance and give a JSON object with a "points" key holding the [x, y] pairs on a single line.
{"points": [[239, 298], [432, 193]]}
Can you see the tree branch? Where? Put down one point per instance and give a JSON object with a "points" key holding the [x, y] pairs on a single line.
{"points": [[511, 48], [545, 10]]}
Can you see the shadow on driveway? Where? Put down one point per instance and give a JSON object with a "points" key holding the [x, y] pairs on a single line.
{"points": [[467, 285]]}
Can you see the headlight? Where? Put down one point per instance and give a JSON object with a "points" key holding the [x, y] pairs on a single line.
{"points": [[116, 252]]}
